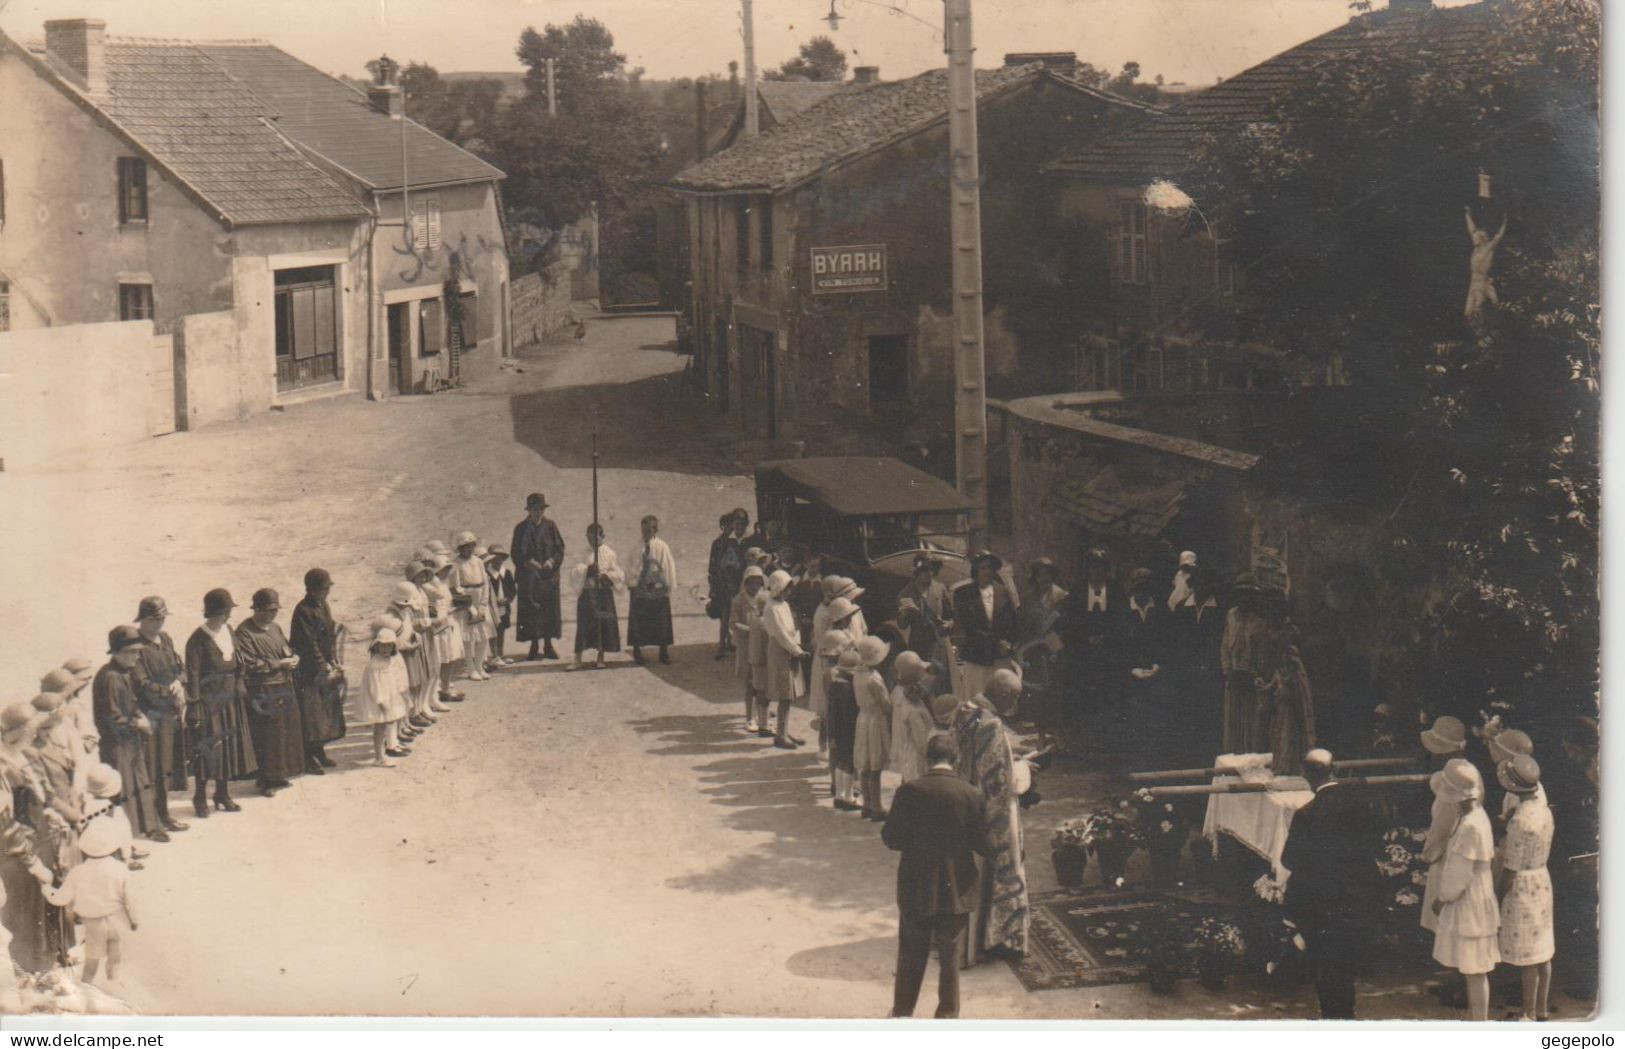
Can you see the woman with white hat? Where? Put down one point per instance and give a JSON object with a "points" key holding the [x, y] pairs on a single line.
{"points": [[743, 614], [784, 653], [912, 723], [1524, 886], [471, 596], [843, 662], [872, 749], [1469, 917], [1446, 741], [442, 594], [382, 702], [415, 640]]}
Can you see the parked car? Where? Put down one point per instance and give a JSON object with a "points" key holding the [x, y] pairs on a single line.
{"points": [[867, 518]]}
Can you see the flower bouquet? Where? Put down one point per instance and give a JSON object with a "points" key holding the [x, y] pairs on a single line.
{"points": [[1219, 945], [1403, 878], [1163, 833], [1112, 834], [1069, 852]]}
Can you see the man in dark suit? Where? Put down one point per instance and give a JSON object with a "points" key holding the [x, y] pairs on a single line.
{"points": [[985, 625], [1093, 622], [936, 822], [1331, 889]]}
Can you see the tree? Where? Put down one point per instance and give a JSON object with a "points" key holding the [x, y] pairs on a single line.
{"points": [[1127, 83], [819, 59], [585, 63], [463, 111], [1345, 211]]}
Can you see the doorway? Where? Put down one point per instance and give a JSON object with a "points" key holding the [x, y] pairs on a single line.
{"points": [[758, 385], [400, 347], [888, 369]]}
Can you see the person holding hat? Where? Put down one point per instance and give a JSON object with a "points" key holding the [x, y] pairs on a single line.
{"points": [[268, 663], [1000, 922], [538, 554], [743, 615], [471, 591], [648, 611], [319, 678], [163, 700], [382, 702], [598, 621], [97, 891], [1242, 652], [218, 722], [1328, 852], [841, 656], [1467, 915], [725, 571], [872, 747], [925, 610], [985, 627], [502, 592], [123, 728], [784, 653], [1523, 886], [911, 720]]}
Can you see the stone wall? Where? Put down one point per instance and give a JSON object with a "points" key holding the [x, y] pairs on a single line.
{"points": [[542, 304]]}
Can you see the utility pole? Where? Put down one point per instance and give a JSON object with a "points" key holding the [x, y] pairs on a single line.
{"points": [[752, 123], [701, 131], [965, 225], [552, 92]]}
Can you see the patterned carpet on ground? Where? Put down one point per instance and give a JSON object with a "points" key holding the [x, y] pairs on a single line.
{"points": [[1093, 937]]}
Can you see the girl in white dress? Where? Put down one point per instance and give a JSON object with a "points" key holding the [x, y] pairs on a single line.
{"points": [[382, 703], [1468, 916], [872, 747], [448, 632], [1525, 886], [911, 720], [742, 624], [471, 594], [1447, 742]]}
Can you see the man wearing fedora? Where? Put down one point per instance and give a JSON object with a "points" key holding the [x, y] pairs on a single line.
{"points": [[123, 728], [985, 626], [319, 678], [162, 696], [1328, 852], [538, 554]]}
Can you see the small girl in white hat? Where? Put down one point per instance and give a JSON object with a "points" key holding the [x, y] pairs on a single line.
{"points": [[97, 892], [382, 703], [1464, 905], [872, 749], [742, 623]]}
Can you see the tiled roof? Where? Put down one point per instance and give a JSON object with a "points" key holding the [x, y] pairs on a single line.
{"points": [[787, 99], [849, 124], [215, 138], [335, 121], [1162, 146]]}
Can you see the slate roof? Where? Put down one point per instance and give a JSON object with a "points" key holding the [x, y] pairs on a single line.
{"points": [[851, 123], [335, 121], [1162, 147], [214, 138]]}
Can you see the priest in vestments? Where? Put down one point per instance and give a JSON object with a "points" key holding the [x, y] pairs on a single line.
{"points": [[1000, 923], [538, 555]]}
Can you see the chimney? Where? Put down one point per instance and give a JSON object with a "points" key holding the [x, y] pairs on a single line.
{"points": [[78, 47], [385, 94], [1057, 61], [866, 75]]}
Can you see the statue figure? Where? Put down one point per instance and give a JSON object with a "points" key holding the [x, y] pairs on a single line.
{"points": [[1480, 287]]}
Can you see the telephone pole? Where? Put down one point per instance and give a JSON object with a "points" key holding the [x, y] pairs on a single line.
{"points": [[552, 92], [965, 195], [752, 123]]}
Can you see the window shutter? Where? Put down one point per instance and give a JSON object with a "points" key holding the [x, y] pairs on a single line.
{"points": [[434, 225], [1115, 246]]}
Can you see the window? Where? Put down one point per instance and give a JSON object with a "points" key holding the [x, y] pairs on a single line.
{"points": [[764, 234], [5, 305], [431, 327], [135, 302], [132, 189], [742, 233], [306, 327], [471, 332], [425, 223], [1131, 243]]}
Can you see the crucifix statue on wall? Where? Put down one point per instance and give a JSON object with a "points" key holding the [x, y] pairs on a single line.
{"points": [[1480, 286]]}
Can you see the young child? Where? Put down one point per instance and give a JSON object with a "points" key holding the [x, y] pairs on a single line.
{"points": [[911, 723], [843, 718], [471, 597], [448, 632], [597, 577], [873, 748], [382, 703], [96, 891], [503, 590], [741, 617], [758, 658]]}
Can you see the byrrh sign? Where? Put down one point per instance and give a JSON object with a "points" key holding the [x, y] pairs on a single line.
{"points": [[849, 268]]}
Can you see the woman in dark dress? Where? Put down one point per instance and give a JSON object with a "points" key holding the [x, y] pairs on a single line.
{"points": [[216, 716], [268, 663], [319, 678], [538, 556]]}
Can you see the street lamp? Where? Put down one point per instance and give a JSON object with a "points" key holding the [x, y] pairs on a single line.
{"points": [[833, 18]]}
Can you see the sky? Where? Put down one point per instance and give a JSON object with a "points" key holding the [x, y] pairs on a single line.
{"points": [[1190, 41]]}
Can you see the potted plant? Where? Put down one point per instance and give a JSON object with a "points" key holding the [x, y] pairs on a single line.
{"points": [[1069, 852], [1164, 834], [1167, 957], [1219, 945], [1112, 835]]}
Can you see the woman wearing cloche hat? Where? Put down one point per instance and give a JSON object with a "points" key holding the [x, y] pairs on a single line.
{"points": [[1524, 887], [268, 663], [873, 743], [217, 717], [1468, 916], [319, 678]]}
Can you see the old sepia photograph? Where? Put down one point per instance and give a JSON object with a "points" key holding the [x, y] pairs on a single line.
{"points": [[801, 510]]}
